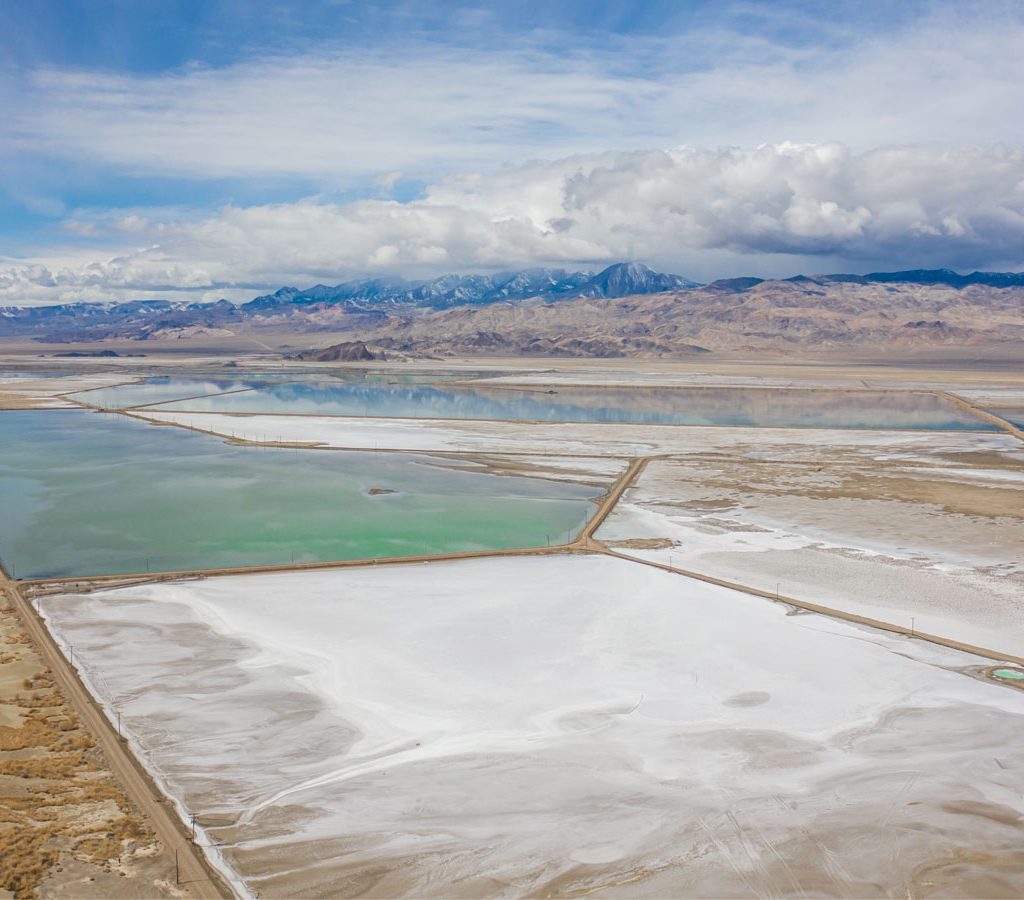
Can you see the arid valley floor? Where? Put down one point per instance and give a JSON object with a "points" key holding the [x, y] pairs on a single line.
{"points": [[781, 653]]}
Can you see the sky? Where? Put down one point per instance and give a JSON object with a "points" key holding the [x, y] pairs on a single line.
{"points": [[198, 149]]}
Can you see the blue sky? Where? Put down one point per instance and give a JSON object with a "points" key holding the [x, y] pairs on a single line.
{"points": [[129, 36], [199, 149]]}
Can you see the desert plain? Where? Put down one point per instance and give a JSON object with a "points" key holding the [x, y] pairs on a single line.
{"points": [[778, 660]]}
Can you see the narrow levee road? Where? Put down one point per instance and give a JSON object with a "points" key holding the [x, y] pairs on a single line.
{"points": [[196, 875], [622, 484], [960, 403]]}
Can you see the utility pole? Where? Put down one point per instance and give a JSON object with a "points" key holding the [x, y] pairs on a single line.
{"points": [[192, 819], [912, 620]]}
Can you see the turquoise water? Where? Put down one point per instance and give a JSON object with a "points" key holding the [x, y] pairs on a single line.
{"points": [[672, 406], [86, 493], [1009, 674]]}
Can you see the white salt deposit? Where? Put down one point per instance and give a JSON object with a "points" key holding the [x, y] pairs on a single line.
{"points": [[554, 725], [909, 563], [569, 439]]}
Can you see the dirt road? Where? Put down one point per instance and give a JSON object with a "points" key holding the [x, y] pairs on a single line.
{"points": [[622, 483], [195, 873]]}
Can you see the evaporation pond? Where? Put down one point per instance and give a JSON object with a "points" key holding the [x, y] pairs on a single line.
{"points": [[1013, 414], [664, 406], [167, 388], [87, 493], [159, 390], [28, 373]]}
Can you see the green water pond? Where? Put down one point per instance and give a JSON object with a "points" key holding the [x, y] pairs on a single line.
{"points": [[86, 493]]}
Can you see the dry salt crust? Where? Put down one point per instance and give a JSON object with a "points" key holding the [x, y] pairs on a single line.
{"points": [[597, 377], [854, 379], [593, 470], [567, 439], [992, 396], [556, 725], [883, 558], [44, 392], [956, 575]]}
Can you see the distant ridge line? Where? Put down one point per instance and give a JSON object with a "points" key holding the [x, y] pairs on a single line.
{"points": [[625, 309], [618, 280]]}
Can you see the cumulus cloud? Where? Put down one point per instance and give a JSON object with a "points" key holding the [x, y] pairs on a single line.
{"points": [[870, 159], [898, 206]]}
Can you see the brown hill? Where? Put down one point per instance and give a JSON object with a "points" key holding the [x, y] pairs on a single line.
{"points": [[347, 351], [801, 314], [771, 315]]}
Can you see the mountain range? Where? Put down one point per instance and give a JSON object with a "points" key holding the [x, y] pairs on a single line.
{"points": [[619, 280], [141, 318], [478, 312]]}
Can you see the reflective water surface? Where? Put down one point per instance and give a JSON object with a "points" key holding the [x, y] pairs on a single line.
{"points": [[1012, 414], [86, 493], [160, 389], [164, 388], [668, 406]]}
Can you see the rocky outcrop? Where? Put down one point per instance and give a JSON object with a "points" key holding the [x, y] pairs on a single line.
{"points": [[347, 351]]}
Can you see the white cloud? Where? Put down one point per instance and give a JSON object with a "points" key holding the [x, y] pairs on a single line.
{"points": [[870, 158], [333, 116], [898, 206], [338, 115]]}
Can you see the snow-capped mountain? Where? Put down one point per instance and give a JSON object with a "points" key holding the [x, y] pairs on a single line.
{"points": [[629, 279], [367, 304], [619, 280]]}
